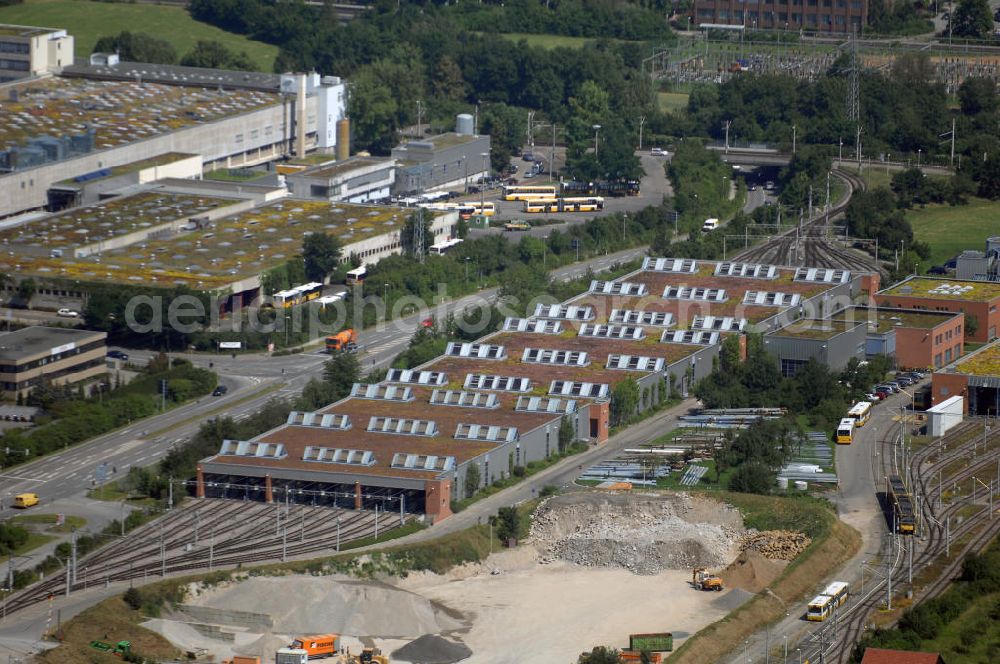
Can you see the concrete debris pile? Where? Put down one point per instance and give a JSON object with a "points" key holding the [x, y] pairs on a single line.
{"points": [[644, 534], [775, 544]]}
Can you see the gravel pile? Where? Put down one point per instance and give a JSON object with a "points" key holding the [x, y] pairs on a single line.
{"points": [[645, 534], [432, 649]]}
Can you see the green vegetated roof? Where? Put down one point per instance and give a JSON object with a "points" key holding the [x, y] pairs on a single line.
{"points": [[119, 112], [945, 289], [925, 320], [809, 328], [225, 251], [984, 362], [135, 166]]}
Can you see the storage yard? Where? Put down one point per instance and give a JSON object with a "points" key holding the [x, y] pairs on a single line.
{"points": [[587, 551]]}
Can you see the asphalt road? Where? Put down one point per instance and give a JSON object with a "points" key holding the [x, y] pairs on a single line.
{"points": [[654, 186], [857, 506]]}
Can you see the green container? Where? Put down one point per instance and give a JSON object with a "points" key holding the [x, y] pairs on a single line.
{"points": [[655, 642]]}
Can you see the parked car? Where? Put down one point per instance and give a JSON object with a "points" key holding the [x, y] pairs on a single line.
{"points": [[871, 396], [904, 381], [882, 393], [658, 152], [118, 355], [219, 391], [68, 313], [894, 386], [527, 156]]}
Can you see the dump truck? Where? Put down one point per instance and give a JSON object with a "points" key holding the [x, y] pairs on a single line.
{"points": [[116, 649], [653, 642], [703, 580], [317, 645], [343, 340]]}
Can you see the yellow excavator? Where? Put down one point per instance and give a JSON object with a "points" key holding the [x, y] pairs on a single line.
{"points": [[366, 656], [701, 579]]}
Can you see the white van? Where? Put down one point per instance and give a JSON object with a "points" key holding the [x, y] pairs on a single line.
{"points": [[710, 225]]}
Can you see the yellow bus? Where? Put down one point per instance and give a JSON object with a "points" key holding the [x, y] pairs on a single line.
{"points": [[860, 412], [468, 210], [299, 295], [822, 606], [549, 205], [523, 192], [845, 431]]}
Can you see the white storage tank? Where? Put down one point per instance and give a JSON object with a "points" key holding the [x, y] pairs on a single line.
{"points": [[783, 483], [801, 485], [464, 125]]}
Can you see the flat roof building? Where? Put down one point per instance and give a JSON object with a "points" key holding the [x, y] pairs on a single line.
{"points": [[978, 300], [32, 355], [975, 377], [916, 339], [354, 180], [96, 118], [829, 341], [27, 51], [208, 236], [440, 162]]}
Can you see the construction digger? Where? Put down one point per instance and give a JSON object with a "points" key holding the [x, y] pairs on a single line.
{"points": [[701, 579]]}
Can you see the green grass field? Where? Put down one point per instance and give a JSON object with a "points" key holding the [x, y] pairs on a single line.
{"points": [[88, 21], [547, 41], [672, 101], [949, 229]]}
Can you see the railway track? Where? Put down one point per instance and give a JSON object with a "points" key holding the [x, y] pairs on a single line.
{"points": [[836, 638], [810, 243], [169, 545]]}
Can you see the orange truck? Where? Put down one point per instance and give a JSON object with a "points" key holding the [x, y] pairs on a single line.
{"points": [[318, 645], [343, 340]]}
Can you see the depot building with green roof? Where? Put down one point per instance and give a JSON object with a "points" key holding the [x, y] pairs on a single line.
{"points": [[978, 300]]}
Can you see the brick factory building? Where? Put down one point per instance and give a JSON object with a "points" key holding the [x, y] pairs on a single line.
{"points": [[841, 16], [409, 443], [976, 377], [978, 300]]}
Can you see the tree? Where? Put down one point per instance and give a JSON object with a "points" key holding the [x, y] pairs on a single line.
{"points": [[215, 55], [972, 18], [507, 523], [26, 290], [321, 254], [567, 434], [340, 372], [752, 477], [471, 484], [600, 655], [971, 325], [408, 238], [978, 95], [448, 82], [372, 108], [624, 401], [137, 47]]}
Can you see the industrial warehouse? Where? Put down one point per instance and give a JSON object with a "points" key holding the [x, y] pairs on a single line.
{"points": [[408, 443]]}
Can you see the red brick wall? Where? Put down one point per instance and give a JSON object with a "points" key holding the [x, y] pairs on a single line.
{"points": [[944, 386], [437, 499], [922, 349], [981, 310], [602, 413]]}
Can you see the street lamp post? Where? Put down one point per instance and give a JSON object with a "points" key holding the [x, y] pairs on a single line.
{"points": [[467, 259], [919, 151], [793, 139], [597, 129], [841, 158], [482, 190]]}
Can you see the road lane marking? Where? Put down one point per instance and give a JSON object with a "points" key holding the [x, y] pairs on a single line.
{"points": [[16, 477]]}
